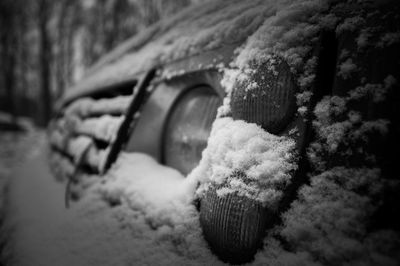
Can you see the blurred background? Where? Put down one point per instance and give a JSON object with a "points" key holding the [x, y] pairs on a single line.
{"points": [[46, 45]]}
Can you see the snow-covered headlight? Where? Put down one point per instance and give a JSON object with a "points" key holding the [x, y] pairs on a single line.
{"points": [[188, 128], [266, 97], [234, 223]]}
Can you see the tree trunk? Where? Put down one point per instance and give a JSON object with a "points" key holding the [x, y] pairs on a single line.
{"points": [[44, 61], [9, 54]]}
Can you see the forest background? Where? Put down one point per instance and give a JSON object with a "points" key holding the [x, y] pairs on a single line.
{"points": [[47, 45]]}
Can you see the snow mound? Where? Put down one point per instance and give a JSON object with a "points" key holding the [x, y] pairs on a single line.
{"points": [[246, 159], [161, 193]]}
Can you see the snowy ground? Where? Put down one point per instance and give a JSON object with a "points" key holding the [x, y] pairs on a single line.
{"points": [[159, 230], [91, 232], [141, 213], [15, 146]]}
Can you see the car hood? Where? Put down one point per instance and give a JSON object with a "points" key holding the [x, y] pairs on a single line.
{"points": [[219, 26]]}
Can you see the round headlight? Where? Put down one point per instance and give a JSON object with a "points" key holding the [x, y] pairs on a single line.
{"points": [[233, 225], [188, 128]]}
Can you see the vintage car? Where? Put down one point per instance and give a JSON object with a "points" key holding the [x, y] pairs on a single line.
{"points": [[306, 95]]}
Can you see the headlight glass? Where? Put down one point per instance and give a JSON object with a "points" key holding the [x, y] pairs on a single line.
{"points": [[188, 128]]}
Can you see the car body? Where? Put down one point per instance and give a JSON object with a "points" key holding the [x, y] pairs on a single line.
{"points": [[159, 93]]}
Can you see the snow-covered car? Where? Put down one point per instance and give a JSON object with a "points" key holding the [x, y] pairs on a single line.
{"points": [[270, 125]]}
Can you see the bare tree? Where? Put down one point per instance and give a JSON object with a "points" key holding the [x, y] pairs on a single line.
{"points": [[45, 44], [43, 11], [8, 39], [60, 43]]}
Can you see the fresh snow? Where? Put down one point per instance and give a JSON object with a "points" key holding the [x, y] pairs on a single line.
{"points": [[247, 160], [85, 107], [103, 128], [79, 148], [377, 91], [347, 68], [388, 39]]}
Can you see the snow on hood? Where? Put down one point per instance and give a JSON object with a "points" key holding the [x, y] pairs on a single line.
{"points": [[203, 27], [199, 28]]}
